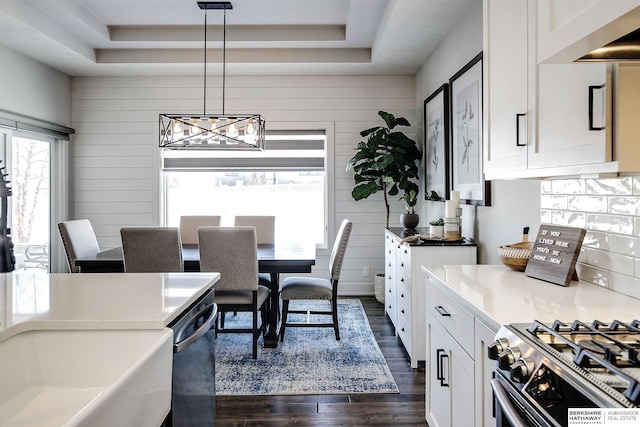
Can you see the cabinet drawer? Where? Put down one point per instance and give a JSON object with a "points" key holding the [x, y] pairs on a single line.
{"points": [[404, 331], [453, 317]]}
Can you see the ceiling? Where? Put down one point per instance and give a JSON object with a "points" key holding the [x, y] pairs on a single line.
{"points": [[263, 37]]}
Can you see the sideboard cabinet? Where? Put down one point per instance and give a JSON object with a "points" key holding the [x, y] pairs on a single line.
{"points": [[405, 285]]}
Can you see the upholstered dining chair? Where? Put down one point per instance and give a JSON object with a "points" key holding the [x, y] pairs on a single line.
{"points": [[151, 249], [314, 288], [265, 226], [233, 252], [79, 241], [189, 226], [265, 234]]}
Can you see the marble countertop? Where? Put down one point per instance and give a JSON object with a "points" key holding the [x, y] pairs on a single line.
{"points": [[500, 296], [37, 301]]}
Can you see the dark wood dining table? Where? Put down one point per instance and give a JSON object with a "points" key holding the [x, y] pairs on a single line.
{"points": [[272, 259]]}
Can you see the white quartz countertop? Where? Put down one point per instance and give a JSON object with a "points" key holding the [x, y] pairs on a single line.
{"points": [[90, 350], [36, 301], [501, 296]]}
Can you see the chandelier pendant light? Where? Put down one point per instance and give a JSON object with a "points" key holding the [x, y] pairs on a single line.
{"points": [[213, 131]]}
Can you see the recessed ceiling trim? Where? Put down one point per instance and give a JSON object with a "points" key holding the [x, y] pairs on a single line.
{"points": [[240, 56], [257, 33]]}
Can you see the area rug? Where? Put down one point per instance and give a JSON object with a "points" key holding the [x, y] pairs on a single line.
{"points": [[309, 361]]}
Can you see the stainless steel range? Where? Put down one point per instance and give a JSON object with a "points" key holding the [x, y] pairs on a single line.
{"points": [[543, 370]]}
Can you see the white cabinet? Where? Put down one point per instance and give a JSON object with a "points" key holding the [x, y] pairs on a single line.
{"points": [[506, 84], [450, 384], [404, 285], [544, 119], [458, 371], [483, 373], [569, 29]]}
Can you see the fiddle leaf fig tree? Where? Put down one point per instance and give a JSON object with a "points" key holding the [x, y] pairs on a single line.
{"points": [[386, 161]]}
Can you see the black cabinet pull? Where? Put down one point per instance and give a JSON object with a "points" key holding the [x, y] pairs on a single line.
{"points": [[518, 117], [592, 89], [402, 311], [441, 310], [441, 354]]}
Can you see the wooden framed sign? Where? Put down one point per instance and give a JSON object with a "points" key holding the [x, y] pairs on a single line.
{"points": [[554, 254]]}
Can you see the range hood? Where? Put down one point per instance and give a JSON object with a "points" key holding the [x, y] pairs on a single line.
{"points": [[624, 49]]}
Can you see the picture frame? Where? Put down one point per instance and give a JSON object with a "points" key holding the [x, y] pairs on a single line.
{"points": [[467, 174], [436, 143]]}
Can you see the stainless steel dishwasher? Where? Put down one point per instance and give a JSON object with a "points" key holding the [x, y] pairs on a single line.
{"points": [[193, 379]]}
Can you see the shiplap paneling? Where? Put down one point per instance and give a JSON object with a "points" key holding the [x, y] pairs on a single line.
{"points": [[115, 157]]}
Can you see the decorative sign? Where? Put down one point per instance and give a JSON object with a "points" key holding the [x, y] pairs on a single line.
{"points": [[554, 254]]}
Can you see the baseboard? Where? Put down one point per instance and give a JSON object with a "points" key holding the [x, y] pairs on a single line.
{"points": [[355, 288]]}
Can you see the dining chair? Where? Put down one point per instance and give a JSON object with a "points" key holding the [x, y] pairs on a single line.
{"points": [[79, 241], [265, 226], [151, 249], [233, 252], [315, 288], [265, 234], [189, 227]]}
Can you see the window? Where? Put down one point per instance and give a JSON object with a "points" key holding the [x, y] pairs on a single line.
{"points": [[288, 180]]}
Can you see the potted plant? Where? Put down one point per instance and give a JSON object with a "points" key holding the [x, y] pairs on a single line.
{"points": [[387, 161], [437, 227]]}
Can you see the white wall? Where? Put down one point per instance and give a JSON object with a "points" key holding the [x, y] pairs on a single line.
{"points": [[514, 204], [33, 89], [115, 151]]}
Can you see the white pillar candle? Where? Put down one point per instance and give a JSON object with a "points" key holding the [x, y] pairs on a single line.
{"points": [[449, 209], [455, 197]]}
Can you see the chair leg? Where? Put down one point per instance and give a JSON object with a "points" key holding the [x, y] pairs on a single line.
{"points": [[285, 312], [256, 331], [222, 319], [334, 309]]}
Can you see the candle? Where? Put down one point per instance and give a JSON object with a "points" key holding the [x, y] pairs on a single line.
{"points": [[455, 197], [449, 209]]}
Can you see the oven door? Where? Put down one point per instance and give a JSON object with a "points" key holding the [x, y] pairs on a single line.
{"points": [[512, 409]]}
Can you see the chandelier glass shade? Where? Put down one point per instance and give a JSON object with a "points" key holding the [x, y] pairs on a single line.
{"points": [[213, 131]]}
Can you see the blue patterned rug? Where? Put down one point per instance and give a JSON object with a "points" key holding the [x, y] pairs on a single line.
{"points": [[309, 361]]}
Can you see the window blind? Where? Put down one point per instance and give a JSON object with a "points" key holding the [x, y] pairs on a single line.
{"points": [[284, 150], [30, 124]]}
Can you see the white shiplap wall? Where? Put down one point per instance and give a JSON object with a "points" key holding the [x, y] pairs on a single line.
{"points": [[115, 157]]}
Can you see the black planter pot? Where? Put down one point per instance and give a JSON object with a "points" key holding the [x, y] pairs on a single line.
{"points": [[409, 221]]}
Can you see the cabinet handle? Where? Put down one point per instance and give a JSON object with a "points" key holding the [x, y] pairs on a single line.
{"points": [[402, 329], [441, 310], [592, 89], [441, 354], [518, 117], [401, 295], [402, 311]]}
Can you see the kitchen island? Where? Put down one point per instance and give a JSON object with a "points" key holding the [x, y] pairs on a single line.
{"points": [[90, 350], [467, 304]]}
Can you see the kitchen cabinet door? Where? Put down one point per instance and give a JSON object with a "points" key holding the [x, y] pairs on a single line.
{"points": [[569, 29], [450, 380], [438, 400], [484, 368], [567, 95], [506, 84]]}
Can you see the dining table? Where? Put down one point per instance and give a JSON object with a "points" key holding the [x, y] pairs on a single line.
{"points": [[273, 259]]}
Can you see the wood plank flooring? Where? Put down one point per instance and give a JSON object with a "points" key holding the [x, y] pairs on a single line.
{"points": [[404, 409]]}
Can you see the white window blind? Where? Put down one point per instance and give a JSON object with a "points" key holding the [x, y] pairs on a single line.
{"points": [[289, 150]]}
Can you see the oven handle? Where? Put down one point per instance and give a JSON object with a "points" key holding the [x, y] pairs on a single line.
{"points": [[504, 402], [181, 345]]}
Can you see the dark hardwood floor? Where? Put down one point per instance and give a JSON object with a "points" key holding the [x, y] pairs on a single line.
{"points": [[404, 409]]}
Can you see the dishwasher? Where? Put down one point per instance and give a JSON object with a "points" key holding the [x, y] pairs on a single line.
{"points": [[193, 376]]}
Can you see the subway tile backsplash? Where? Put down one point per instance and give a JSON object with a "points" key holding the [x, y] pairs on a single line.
{"points": [[609, 209]]}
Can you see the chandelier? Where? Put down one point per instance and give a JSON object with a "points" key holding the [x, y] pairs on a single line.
{"points": [[213, 131]]}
